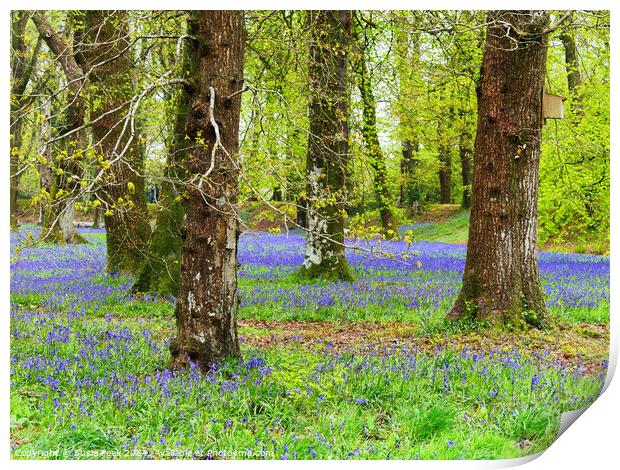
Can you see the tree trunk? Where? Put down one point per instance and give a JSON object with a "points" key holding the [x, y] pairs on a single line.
{"points": [[122, 187], [277, 194], [572, 71], [409, 196], [408, 66], [328, 146], [374, 153], [161, 271], [465, 152], [16, 143], [21, 72], [45, 172], [19, 20], [97, 215], [58, 224], [501, 282], [302, 212], [206, 309], [445, 174]]}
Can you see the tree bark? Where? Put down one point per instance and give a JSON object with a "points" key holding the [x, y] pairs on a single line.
{"points": [[206, 309], [328, 146], [374, 153], [122, 187], [501, 282]]}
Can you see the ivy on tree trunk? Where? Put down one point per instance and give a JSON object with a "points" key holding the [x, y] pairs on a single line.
{"points": [[375, 156]]}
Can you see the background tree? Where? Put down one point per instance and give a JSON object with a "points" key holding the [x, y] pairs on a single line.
{"points": [[407, 107], [465, 154], [374, 154], [328, 145], [444, 150], [116, 143], [575, 170], [573, 73], [22, 69], [67, 167]]}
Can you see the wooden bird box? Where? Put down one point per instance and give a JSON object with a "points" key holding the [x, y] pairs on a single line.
{"points": [[553, 106]]}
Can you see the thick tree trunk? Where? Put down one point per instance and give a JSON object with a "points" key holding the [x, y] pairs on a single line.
{"points": [[374, 153], [445, 174], [122, 188], [465, 152], [206, 309], [328, 146], [161, 271], [501, 282]]}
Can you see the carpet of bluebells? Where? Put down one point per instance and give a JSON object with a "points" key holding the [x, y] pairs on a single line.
{"points": [[88, 377]]}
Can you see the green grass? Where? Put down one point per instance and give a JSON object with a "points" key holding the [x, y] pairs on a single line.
{"points": [[453, 230], [298, 403]]}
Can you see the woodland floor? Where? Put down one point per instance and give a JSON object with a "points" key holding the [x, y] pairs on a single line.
{"points": [[360, 370]]}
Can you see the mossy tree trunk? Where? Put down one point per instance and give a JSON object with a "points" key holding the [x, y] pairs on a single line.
{"points": [[328, 146], [374, 153], [206, 308], [122, 187], [161, 270], [501, 282]]}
